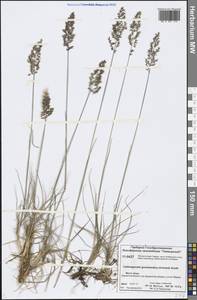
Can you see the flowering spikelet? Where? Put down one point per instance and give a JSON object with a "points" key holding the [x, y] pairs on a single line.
{"points": [[135, 31], [69, 35], [151, 59], [46, 109], [117, 29], [34, 58], [96, 78]]}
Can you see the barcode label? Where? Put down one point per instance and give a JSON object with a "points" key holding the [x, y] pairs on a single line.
{"points": [[169, 15]]}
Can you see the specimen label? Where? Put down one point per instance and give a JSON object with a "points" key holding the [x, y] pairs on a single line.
{"points": [[152, 268]]}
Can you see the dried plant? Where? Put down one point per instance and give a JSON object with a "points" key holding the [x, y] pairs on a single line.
{"points": [[68, 38], [96, 78], [46, 109], [116, 35], [34, 237], [133, 37], [151, 59], [105, 241], [69, 35], [36, 240], [34, 62], [38, 235], [135, 31], [34, 58], [117, 29], [93, 85]]}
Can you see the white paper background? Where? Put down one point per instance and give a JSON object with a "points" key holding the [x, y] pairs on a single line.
{"points": [[159, 157]]}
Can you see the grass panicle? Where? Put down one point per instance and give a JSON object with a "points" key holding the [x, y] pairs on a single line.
{"points": [[34, 58], [68, 31], [95, 78], [47, 110], [135, 31], [154, 49], [117, 29]]}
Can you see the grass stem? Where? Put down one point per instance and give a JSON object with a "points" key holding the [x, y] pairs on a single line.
{"points": [[29, 142], [112, 127], [39, 157], [86, 167], [130, 151], [66, 124], [70, 143], [134, 137]]}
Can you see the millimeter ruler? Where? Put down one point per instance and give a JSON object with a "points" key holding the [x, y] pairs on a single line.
{"points": [[192, 161], [192, 137], [192, 188]]}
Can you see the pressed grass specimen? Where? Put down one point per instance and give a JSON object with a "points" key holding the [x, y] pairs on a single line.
{"points": [[68, 38], [100, 232], [133, 38], [93, 87], [34, 64], [114, 40], [150, 62], [95, 80], [35, 239], [99, 238], [39, 234], [107, 238]]}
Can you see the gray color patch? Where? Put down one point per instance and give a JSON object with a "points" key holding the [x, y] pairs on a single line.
{"points": [[190, 150]]}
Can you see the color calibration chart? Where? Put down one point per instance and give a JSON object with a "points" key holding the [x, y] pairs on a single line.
{"points": [[192, 275]]}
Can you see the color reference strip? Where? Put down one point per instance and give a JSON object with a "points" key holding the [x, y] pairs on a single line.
{"points": [[192, 275]]}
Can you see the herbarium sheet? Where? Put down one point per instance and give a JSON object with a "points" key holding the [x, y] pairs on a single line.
{"points": [[94, 149]]}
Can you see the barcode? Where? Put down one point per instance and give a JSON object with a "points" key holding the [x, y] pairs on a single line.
{"points": [[169, 15]]}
